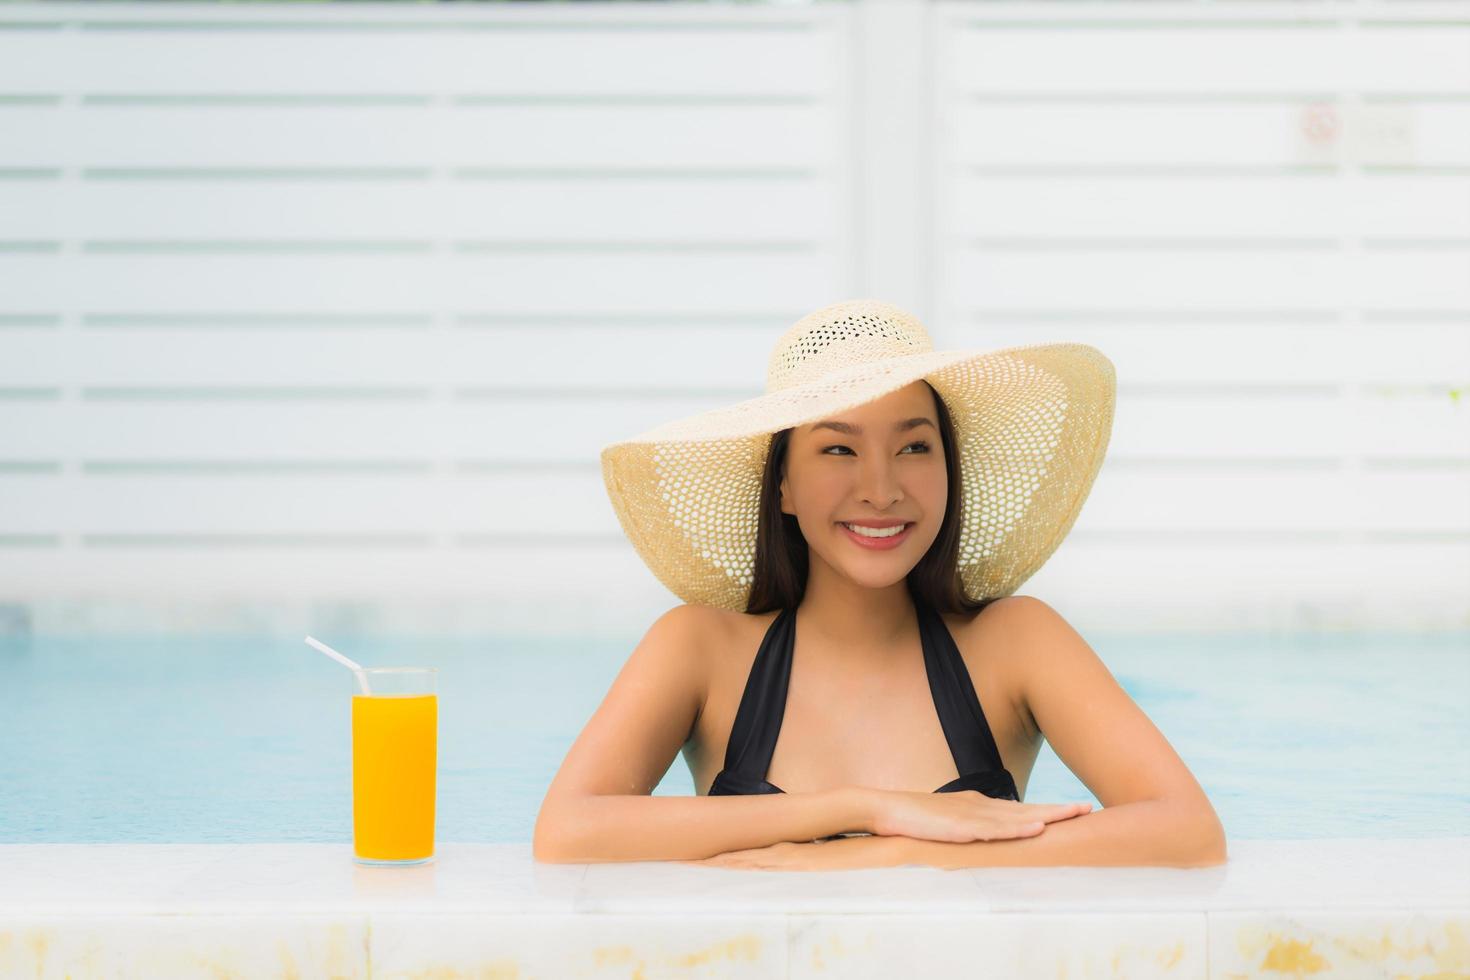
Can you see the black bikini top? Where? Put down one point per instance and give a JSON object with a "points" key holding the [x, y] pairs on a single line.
{"points": [[763, 705]]}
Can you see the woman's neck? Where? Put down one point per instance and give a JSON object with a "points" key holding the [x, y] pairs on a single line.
{"points": [[856, 619]]}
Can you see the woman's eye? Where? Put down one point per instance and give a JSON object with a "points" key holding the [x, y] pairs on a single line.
{"points": [[923, 447]]}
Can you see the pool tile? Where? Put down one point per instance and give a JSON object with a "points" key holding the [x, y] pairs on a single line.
{"points": [[857, 947], [1381, 944], [589, 946], [653, 886], [1089, 889], [148, 947]]}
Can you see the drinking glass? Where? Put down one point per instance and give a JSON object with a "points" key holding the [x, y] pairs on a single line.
{"points": [[394, 763]]}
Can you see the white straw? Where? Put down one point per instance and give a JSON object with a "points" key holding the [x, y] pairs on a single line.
{"points": [[344, 661]]}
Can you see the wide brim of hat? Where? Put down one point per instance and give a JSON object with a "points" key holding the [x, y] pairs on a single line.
{"points": [[1032, 426]]}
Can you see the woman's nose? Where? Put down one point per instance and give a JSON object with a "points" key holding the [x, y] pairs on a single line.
{"points": [[878, 482]]}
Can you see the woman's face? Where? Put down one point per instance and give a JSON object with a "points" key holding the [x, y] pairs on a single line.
{"points": [[870, 464]]}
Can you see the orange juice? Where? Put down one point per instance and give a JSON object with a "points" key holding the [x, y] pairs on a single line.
{"points": [[394, 743]]}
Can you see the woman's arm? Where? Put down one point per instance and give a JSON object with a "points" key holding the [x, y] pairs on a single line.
{"points": [[593, 829], [1147, 832]]}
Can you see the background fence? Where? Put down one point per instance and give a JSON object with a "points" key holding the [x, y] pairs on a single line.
{"points": [[322, 312]]}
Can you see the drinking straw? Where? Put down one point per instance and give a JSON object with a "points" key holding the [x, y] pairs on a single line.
{"points": [[345, 661]]}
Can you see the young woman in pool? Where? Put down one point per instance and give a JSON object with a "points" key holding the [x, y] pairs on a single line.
{"points": [[826, 673]]}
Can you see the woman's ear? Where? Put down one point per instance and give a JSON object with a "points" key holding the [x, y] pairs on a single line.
{"points": [[784, 465]]}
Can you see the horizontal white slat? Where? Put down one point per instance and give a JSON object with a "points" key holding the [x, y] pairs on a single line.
{"points": [[1441, 132], [1324, 205], [1200, 134], [801, 274], [1282, 427], [666, 349], [1193, 346], [519, 136], [1438, 425], [527, 209], [685, 354], [1291, 502], [535, 504], [487, 574], [575, 503], [613, 355], [718, 275], [1208, 59], [1406, 205], [1400, 57], [1203, 278], [790, 54], [566, 430]]}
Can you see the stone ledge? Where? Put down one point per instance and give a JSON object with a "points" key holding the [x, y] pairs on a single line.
{"points": [[1360, 908]]}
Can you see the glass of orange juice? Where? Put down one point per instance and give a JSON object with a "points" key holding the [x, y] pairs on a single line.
{"points": [[394, 761]]}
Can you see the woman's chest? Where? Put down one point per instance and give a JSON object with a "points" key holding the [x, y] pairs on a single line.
{"points": [[851, 725]]}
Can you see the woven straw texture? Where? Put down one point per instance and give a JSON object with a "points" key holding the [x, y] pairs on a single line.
{"points": [[1032, 426]]}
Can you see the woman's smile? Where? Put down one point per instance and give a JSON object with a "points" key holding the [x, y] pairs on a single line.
{"points": [[878, 539]]}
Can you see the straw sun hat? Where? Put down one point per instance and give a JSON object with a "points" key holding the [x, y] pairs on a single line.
{"points": [[1031, 428]]}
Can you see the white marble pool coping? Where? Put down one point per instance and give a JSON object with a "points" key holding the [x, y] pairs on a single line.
{"points": [[1358, 908]]}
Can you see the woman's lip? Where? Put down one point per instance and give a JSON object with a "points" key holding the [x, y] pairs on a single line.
{"points": [[877, 544]]}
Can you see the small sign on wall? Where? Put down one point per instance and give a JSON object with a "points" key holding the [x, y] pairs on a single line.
{"points": [[1354, 133]]}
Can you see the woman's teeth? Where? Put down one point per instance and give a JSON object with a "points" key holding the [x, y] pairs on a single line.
{"points": [[876, 532]]}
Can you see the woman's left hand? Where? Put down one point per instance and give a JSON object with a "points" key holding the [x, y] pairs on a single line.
{"points": [[837, 854]]}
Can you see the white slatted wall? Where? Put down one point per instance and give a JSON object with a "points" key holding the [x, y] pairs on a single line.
{"points": [[1262, 213], [341, 301], [320, 312]]}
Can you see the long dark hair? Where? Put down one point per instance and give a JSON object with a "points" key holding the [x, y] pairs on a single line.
{"points": [[782, 559]]}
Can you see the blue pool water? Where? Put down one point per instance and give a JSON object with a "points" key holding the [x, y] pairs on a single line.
{"points": [[243, 739]]}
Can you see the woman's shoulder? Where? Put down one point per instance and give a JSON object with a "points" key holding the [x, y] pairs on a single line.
{"points": [[723, 642], [723, 638], [995, 645], [1005, 612], [723, 629]]}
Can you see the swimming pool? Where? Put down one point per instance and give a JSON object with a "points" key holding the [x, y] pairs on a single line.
{"points": [[245, 739]]}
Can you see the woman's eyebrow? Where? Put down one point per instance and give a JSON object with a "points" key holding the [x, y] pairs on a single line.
{"points": [[857, 430]]}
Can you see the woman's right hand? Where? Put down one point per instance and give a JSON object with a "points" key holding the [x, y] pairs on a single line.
{"points": [[963, 816]]}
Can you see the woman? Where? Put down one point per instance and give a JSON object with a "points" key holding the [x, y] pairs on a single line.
{"points": [[875, 509]]}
